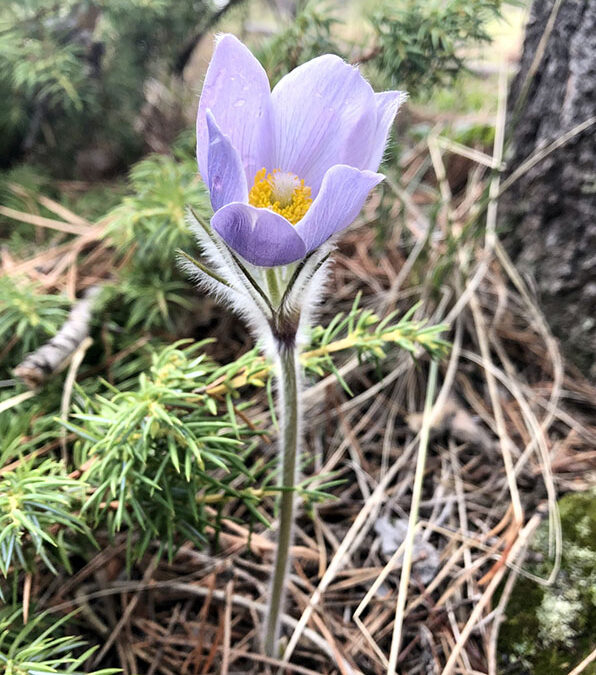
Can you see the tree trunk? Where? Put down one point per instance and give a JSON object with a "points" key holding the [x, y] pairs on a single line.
{"points": [[550, 211]]}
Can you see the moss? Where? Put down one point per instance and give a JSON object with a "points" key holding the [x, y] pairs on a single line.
{"points": [[550, 630], [474, 135], [468, 94]]}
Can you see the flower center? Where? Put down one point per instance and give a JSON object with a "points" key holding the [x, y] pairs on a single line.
{"points": [[281, 192]]}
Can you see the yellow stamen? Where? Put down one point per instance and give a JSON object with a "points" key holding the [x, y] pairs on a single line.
{"points": [[281, 192]]}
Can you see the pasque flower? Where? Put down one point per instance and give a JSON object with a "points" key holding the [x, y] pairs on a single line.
{"points": [[286, 169]]}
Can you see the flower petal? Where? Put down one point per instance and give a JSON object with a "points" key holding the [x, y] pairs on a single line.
{"points": [[318, 108], [236, 90], [260, 236], [227, 182], [343, 192], [388, 103]]}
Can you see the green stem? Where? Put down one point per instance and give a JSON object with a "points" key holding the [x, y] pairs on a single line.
{"points": [[289, 442], [273, 286]]}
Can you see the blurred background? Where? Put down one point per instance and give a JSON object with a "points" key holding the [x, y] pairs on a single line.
{"points": [[483, 233], [90, 87]]}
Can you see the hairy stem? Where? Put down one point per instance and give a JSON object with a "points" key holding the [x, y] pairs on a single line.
{"points": [[289, 406]]}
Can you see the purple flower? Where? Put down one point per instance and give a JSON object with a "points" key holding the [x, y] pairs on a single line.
{"points": [[288, 168]]}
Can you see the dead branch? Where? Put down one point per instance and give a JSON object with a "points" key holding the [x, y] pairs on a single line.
{"points": [[54, 355]]}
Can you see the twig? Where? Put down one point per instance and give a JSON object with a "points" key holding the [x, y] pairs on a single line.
{"points": [[519, 544], [491, 212], [499, 617], [41, 221], [542, 153], [536, 61], [158, 657], [227, 632], [586, 662], [505, 442], [27, 596], [54, 355], [127, 612], [414, 509], [538, 439], [200, 591], [424, 233], [470, 153], [9, 403]]}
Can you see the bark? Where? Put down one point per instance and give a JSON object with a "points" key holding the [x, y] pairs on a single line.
{"points": [[550, 211], [53, 356]]}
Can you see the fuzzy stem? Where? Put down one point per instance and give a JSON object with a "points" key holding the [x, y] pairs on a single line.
{"points": [[289, 406]]}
